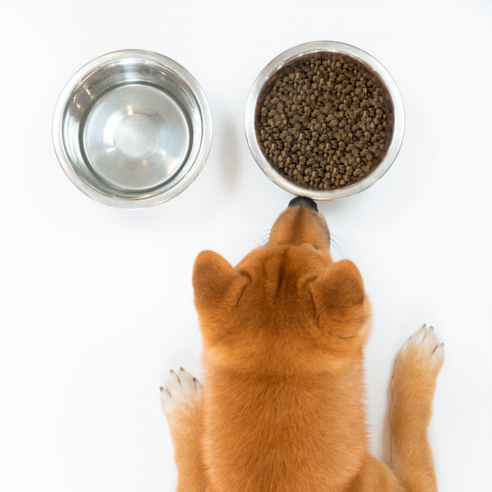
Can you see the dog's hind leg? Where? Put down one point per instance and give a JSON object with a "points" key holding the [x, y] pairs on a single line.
{"points": [[417, 367], [181, 401]]}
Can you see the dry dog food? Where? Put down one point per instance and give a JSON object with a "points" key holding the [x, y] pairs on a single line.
{"points": [[322, 124]]}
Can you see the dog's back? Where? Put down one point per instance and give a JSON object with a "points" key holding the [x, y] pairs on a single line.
{"points": [[289, 433]]}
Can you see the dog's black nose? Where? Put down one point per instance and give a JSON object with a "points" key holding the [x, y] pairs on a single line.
{"points": [[303, 200]]}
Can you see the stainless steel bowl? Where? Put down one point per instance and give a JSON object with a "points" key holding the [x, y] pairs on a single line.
{"points": [[371, 69], [132, 129]]}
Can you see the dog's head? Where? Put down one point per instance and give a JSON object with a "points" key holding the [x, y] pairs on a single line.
{"points": [[285, 305]]}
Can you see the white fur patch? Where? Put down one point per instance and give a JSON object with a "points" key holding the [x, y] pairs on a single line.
{"points": [[182, 390], [425, 346]]}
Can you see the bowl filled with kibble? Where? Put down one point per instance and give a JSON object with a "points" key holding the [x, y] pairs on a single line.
{"points": [[324, 120]]}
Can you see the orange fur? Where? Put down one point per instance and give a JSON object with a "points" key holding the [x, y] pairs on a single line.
{"points": [[282, 407]]}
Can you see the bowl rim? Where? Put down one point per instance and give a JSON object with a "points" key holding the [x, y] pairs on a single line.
{"points": [[302, 50], [185, 79]]}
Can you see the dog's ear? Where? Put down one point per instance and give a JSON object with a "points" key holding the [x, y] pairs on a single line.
{"points": [[338, 297], [217, 285]]}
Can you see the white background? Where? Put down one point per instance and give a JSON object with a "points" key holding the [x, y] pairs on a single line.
{"points": [[97, 303]]}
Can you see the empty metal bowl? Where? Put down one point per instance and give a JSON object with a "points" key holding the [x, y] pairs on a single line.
{"points": [[132, 129], [371, 68]]}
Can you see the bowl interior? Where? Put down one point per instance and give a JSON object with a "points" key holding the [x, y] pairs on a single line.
{"points": [[131, 128], [370, 73]]}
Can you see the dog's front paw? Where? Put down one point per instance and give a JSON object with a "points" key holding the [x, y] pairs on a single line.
{"points": [[181, 401], [181, 396], [417, 367], [421, 355]]}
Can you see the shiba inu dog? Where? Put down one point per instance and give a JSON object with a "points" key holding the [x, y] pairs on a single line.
{"points": [[282, 402]]}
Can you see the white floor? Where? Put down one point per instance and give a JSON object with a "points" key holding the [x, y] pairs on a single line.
{"points": [[97, 303]]}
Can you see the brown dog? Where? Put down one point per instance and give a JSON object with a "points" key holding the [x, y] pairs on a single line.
{"points": [[282, 406]]}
